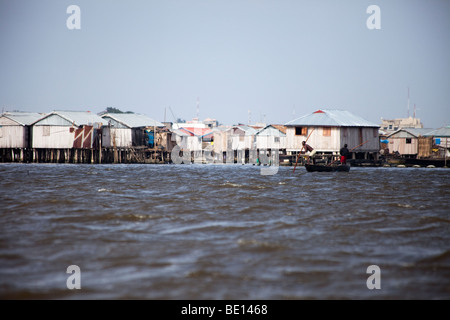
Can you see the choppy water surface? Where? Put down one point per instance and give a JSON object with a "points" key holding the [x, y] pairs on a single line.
{"points": [[223, 232]]}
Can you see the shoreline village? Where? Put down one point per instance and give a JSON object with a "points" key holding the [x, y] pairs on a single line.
{"points": [[118, 137]]}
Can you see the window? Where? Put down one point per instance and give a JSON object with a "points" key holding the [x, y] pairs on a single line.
{"points": [[390, 127], [345, 132], [326, 132], [301, 131], [241, 137], [276, 139], [375, 132], [46, 131], [408, 140]]}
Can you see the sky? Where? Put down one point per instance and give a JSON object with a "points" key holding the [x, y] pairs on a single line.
{"points": [[239, 61]]}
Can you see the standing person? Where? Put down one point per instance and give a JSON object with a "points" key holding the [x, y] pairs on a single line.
{"points": [[309, 151], [344, 154]]}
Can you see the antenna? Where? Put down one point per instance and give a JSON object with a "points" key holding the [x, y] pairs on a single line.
{"points": [[173, 115]]}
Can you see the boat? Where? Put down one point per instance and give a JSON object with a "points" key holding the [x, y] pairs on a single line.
{"points": [[327, 168]]}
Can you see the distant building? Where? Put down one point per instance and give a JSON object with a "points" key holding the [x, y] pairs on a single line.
{"points": [[196, 123], [329, 130], [210, 123], [396, 124]]}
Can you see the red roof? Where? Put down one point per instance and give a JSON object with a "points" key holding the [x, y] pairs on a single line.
{"points": [[200, 132]]}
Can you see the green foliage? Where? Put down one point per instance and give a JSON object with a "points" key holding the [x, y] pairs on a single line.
{"points": [[115, 110]]}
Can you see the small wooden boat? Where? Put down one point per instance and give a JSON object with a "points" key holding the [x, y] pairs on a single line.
{"points": [[327, 168]]}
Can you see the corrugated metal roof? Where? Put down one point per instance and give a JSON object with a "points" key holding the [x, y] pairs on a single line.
{"points": [[133, 120], [441, 132], [408, 132], [332, 118], [78, 118], [23, 118], [180, 133], [280, 127], [271, 131], [199, 132], [249, 131]]}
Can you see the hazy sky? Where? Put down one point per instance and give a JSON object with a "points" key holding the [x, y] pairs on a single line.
{"points": [[279, 59]]}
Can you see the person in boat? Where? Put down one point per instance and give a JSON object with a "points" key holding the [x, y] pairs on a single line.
{"points": [[344, 154], [310, 152]]}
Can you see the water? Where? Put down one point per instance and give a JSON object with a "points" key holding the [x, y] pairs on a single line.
{"points": [[222, 232]]}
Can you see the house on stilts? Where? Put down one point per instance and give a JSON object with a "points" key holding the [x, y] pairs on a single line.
{"points": [[67, 136], [328, 130], [15, 136]]}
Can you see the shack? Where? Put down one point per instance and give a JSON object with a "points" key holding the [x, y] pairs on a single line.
{"points": [[125, 130], [328, 130], [270, 143], [66, 136], [410, 142], [271, 137], [15, 135]]}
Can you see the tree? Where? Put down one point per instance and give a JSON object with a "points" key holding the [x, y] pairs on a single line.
{"points": [[115, 110]]}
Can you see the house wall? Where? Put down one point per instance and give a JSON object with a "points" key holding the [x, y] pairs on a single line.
{"points": [[400, 145], [221, 141], [118, 137], [191, 143], [52, 137], [352, 136], [317, 140], [13, 136], [268, 142]]}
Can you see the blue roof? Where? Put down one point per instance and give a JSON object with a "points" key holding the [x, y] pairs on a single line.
{"points": [[332, 118]]}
